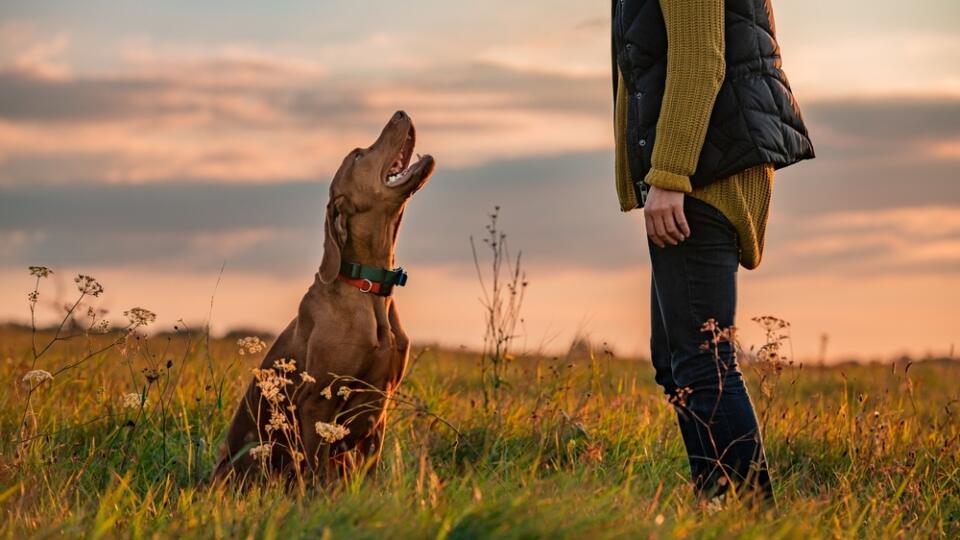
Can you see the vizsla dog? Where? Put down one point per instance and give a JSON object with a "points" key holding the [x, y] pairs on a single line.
{"points": [[346, 335]]}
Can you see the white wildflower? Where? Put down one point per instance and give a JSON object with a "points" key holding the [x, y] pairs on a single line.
{"points": [[35, 378], [287, 366], [327, 393], [261, 452], [270, 390], [714, 505], [307, 378], [134, 400], [345, 392], [271, 384], [278, 421], [251, 345], [331, 433]]}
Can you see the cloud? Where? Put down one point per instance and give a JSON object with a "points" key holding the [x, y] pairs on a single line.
{"points": [[924, 222], [891, 62], [594, 24], [238, 114], [28, 97], [554, 208], [23, 48], [234, 113], [871, 128], [162, 222], [14, 243], [892, 241], [231, 125], [147, 159], [191, 125]]}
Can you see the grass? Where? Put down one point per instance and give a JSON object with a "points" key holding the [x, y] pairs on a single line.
{"points": [[582, 446]]}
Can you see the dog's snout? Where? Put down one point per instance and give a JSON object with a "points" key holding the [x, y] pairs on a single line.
{"points": [[399, 116]]}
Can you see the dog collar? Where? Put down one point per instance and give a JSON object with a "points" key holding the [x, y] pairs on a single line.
{"points": [[372, 279]]}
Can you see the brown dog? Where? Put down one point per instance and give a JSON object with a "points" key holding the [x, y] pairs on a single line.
{"points": [[347, 331]]}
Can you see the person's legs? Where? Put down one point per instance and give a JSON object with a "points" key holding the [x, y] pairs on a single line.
{"points": [[693, 282], [659, 345], [662, 360]]}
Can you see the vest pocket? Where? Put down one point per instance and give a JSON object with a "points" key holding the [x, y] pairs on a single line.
{"points": [[638, 114], [644, 134]]}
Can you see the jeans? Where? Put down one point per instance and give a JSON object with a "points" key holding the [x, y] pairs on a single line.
{"points": [[693, 282]]}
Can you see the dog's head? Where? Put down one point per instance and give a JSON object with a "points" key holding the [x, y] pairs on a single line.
{"points": [[369, 193]]}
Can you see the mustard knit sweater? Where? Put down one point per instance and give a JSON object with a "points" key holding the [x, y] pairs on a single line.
{"points": [[695, 71]]}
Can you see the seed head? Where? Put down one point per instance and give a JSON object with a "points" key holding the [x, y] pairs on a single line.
{"points": [[35, 378], [251, 345], [261, 452], [134, 400], [271, 384], [286, 366], [40, 271], [88, 285], [139, 316], [331, 433], [278, 421]]}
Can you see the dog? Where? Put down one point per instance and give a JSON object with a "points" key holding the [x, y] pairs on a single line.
{"points": [[346, 352]]}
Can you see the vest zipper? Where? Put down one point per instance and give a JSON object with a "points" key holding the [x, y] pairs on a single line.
{"points": [[619, 23]]}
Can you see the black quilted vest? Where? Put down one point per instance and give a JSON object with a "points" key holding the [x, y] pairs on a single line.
{"points": [[755, 118]]}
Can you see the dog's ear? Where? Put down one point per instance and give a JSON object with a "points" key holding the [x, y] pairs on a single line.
{"points": [[335, 237]]}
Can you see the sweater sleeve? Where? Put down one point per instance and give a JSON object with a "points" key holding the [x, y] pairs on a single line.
{"points": [[695, 72]]}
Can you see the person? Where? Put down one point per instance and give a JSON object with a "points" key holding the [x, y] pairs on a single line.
{"points": [[704, 114]]}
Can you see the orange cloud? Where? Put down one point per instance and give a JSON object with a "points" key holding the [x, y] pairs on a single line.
{"points": [[949, 149]]}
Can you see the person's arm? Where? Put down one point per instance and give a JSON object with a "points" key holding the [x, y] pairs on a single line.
{"points": [[695, 72]]}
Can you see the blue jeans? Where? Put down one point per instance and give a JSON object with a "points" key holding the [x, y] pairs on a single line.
{"points": [[693, 282]]}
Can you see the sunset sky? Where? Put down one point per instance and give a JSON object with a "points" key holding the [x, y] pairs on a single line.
{"points": [[147, 143]]}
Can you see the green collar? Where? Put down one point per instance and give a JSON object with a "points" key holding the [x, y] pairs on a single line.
{"points": [[372, 279]]}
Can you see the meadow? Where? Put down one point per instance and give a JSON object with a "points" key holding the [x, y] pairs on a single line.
{"points": [[116, 430]]}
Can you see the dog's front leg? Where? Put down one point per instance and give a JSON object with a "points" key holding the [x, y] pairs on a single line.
{"points": [[315, 408], [401, 344], [371, 448]]}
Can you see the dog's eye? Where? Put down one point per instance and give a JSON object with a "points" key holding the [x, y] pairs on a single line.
{"points": [[357, 156]]}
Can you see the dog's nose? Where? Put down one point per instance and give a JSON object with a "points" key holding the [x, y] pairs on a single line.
{"points": [[399, 115]]}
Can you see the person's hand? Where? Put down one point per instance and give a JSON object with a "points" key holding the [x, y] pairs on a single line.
{"points": [[663, 214]]}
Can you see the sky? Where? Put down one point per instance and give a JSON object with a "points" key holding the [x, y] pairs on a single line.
{"points": [[150, 143]]}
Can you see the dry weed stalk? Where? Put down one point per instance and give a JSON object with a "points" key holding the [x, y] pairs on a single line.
{"points": [[96, 325], [502, 300], [283, 444]]}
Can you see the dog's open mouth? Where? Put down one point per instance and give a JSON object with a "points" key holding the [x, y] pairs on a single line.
{"points": [[401, 170]]}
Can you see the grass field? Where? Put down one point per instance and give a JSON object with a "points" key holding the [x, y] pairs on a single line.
{"points": [[580, 446]]}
